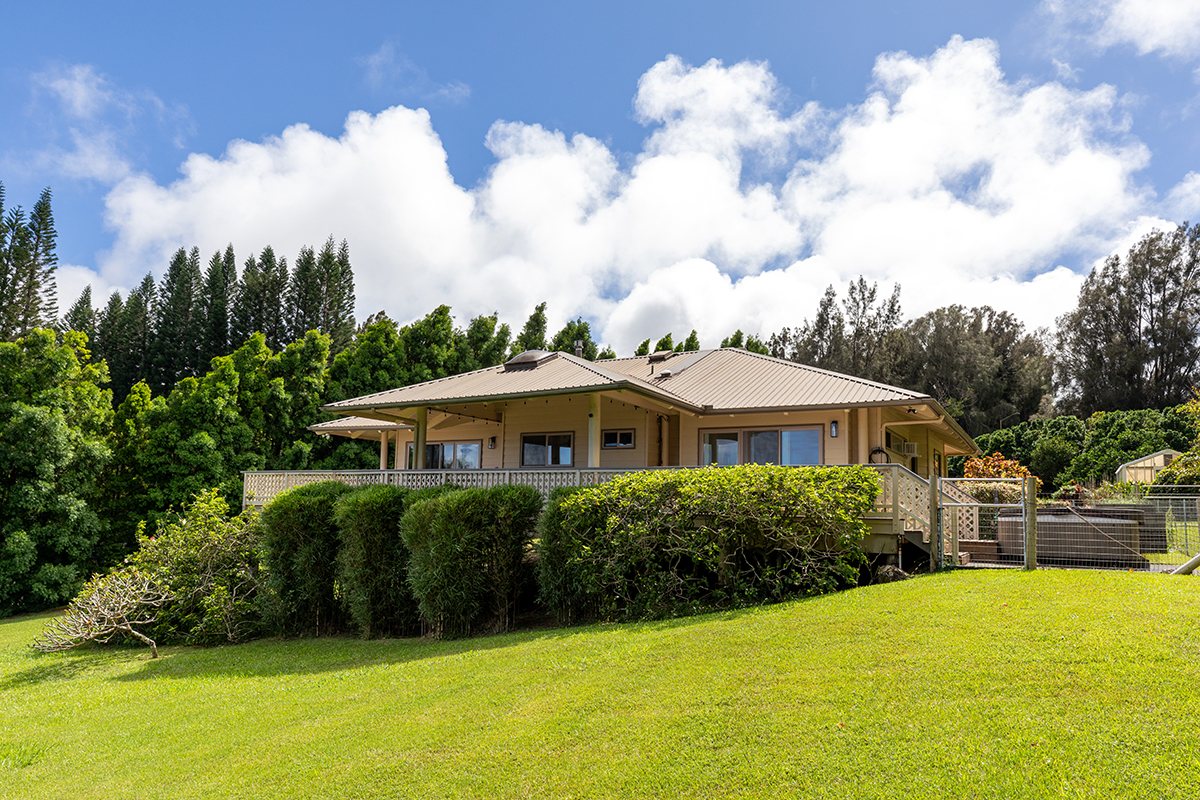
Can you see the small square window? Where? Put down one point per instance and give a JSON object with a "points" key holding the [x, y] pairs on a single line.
{"points": [[617, 439]]}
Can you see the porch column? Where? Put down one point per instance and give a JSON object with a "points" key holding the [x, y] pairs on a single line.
{"points": [[383, 446], [397, 462], [419, 438], [594, 430], [864, 446]]}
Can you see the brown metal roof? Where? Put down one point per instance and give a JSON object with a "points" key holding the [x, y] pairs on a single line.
{"points": [[351, 427], [562, 373]]}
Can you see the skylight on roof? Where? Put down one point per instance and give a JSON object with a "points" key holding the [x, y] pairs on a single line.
{"points": [[528, 359]]}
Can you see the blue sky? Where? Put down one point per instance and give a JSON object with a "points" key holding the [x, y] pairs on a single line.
{"points": [[600, 159]]}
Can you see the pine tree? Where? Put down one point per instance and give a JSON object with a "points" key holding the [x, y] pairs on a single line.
{"points": [[533, 335], [177, 322], [693, 342], [665, 343], [306, 292], [82, 317], [216, 301], [246, 315], [109, 337], [643, 349], [273, 322], [339, 301], [28, 297]]}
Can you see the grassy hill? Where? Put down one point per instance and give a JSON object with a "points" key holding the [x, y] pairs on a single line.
{"points": [[968, 684]]}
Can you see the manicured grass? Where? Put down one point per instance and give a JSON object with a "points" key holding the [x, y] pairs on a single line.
{"points": [[969, 684]]}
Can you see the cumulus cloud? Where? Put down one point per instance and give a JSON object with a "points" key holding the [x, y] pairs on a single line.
{"points": [[1168, 27], [950, 179]]}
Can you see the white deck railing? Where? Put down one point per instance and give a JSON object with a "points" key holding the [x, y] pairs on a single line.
{"points": [[904, 495]]}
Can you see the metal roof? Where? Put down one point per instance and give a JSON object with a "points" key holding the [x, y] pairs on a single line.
{"points": [[348, 426]]}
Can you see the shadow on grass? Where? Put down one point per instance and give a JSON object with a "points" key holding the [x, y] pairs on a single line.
{"points": [[283, 657]]}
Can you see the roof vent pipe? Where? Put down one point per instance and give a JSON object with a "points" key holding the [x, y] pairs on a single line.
{"points": [[579, 348]]}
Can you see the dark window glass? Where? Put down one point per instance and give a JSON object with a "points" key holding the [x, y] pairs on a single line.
{"points": [[721, 449], [764, 447], [546, 450]]}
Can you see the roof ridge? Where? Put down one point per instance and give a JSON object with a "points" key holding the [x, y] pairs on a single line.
{"points": [[621, 377]]}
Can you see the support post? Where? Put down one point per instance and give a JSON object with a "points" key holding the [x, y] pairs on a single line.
{"points": [[383, 449], [937, 550], [593, 430], [864, 446], [397, 460], [1031, 523], [419, 437]]}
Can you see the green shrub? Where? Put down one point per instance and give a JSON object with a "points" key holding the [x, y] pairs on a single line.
{"points": [[300, 545], [372, 563], [468, 548], [657, 543], [209, 564]]}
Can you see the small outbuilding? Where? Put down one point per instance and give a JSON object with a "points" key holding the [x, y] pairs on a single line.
{"points": [[1146, 468]]}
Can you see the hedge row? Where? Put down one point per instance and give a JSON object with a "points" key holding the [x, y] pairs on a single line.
{"points": [[388, 561], [391, 562], [651, 544]]}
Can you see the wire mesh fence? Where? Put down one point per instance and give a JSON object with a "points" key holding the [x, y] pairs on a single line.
{"points": [[983, 520]]}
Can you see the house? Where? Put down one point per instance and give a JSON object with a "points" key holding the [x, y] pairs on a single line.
{"points": [[545, 410], [1146, 468]]}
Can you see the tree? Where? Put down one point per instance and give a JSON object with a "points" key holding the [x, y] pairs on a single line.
{"points": [[53, 421], [606, 353], [216, 306], [751, 343], [820, 343], [643, 349], [81, 316], [28, 298], [575, 331], [692, 344], [483, 344], [665, 343], [248, 312], [129, 352], [1133, 341], [178, 326], [533, 335], [306, 295], [274, 277], [338, 311]]}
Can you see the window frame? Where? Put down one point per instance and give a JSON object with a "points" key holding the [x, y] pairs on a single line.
{"points": [[742, 440], [548, 434], [442, 443], [632, 439]]}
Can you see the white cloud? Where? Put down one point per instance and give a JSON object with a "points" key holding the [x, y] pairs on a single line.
{"points": [[957, 183], [389, 69], [1169, 27], [98, 119]]}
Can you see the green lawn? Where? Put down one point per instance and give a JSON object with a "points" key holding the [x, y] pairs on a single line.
{"points": [[969, 684]]}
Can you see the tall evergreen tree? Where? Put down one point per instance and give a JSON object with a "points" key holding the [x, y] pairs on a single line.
{"points": [[216, 301], [82, 317], [177, 322], [110, 343], [274, 282], [246, 315], [338, 318], [665, 343], [306, 294], [28, 298], [692, 344]]}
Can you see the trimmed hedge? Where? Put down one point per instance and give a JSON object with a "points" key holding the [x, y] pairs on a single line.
{"points": [[300, 547], [468, 552], [372, 561], [372, 568], [658, 543]]}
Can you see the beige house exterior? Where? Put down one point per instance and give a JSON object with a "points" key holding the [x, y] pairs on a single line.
{"points": [[551, 410]]}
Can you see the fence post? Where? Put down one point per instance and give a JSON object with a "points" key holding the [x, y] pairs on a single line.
{"points": [[937, 550], [1031, 523]]}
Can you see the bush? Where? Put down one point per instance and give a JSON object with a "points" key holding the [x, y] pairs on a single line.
{"points": [[469, 547], [209, 563], [372, 563], [300, 546], [657, 543]]}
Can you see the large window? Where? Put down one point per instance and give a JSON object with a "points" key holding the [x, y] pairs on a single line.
{"points": [[546, 449], [789, 446], [449, 455]]}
